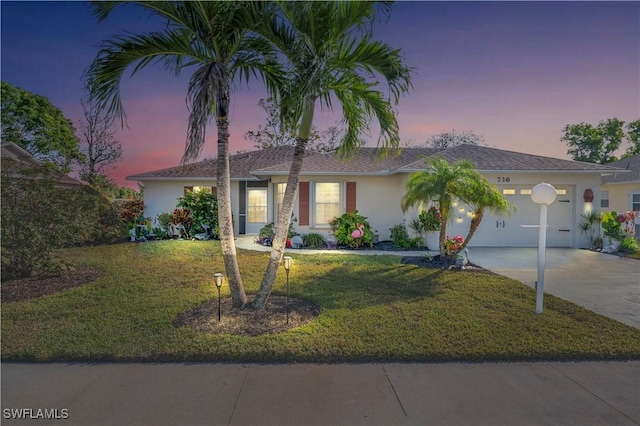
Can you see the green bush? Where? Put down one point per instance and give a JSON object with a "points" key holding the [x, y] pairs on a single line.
{"points": [[268, 230], [204, 210], [313, 240], [628, 245], [183, 217], [38, 215], [400, 237], [344, 225], [164, 220]]}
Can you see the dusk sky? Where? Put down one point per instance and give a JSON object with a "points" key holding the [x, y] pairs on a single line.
{"points": [[513, 72]]}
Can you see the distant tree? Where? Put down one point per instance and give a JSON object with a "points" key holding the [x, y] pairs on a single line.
{"points": [[633, 138], [454, 138], [274, 133], [33, 123], [98, 143], [594, 144]]}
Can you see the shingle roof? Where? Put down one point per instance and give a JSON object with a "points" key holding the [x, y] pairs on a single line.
{"points": [[240, 166], [493, 159], [632, 164], [364, 161], [250, 165]]}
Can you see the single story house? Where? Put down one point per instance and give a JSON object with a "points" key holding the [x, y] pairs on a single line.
{"points": [[329, 187], [23, 160], [621, 191]]}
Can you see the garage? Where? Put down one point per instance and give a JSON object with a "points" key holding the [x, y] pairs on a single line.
{"points": [[501, 231]]}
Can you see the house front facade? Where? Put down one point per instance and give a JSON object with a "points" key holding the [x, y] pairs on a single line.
{"points": [[329, 187], [621, 191]]}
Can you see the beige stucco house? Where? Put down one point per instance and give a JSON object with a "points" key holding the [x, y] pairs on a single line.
{"points": [[329, 187]]}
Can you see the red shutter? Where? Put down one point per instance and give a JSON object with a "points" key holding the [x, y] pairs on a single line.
{"points": [[303, 204], [351, 197]]}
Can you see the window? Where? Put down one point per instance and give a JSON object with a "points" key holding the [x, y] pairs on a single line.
{"points": [[561, 191], [525, 192], [327, 202], [280, 189], [207, 189], [257, 205], [509, 191], [604, 201], [635, 201]]}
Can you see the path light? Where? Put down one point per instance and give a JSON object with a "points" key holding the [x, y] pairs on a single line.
{"points": [[218, 277], [287, 261], [543, 194]]}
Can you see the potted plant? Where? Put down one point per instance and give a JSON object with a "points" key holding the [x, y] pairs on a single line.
{"points": [[431, 221]]}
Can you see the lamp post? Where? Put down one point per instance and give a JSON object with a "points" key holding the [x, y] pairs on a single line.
{"points": [[287, 261], [543, 194], [218, 277]]}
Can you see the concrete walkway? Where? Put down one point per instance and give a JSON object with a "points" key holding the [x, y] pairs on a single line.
{"points": [[588, 393]]}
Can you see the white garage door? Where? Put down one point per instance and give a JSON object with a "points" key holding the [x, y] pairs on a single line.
{"points": [[506, 231]]}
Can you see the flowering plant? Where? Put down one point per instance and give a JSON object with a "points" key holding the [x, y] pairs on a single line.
{"points": [[431, 219], [453, 244]]}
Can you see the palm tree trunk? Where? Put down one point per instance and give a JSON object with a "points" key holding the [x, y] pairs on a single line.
{"points": [[475, 223], [284, 216], [225, 220], [445, 208]]}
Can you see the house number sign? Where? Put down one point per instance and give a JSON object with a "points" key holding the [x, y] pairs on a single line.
{"points": [[504, 179]]}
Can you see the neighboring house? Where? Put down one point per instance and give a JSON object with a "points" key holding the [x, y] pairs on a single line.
{"points": [[23, 160], [621, 191], [329, 187]]}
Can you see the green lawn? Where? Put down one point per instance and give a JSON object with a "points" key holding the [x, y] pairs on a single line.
{"points": [[372, 309]]}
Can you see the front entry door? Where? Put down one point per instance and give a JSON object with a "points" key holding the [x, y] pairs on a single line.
{"points": [[256, 209]]}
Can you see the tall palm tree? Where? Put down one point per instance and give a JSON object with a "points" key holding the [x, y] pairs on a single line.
{"points": [[481, 196], [214, 41], [441, 182], [331, 57]]}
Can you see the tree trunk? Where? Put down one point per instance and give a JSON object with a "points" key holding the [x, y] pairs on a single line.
{"points": [[284, 216], [445, 208], [475, 223], [227, 243], [282, 229]]}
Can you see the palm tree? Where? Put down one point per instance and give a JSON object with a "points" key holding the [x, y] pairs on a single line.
{"points": [[330, 57], [213, 39], [481, 196], [440, 182]]}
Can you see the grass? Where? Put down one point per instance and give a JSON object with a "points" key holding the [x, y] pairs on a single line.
{"points": [[372, 309]]}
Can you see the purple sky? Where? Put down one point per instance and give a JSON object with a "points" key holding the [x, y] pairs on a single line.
{"points": [[514, 72]]}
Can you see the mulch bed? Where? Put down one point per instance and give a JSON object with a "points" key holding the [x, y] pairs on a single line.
{"points": [[36, 286], [437, 263], [248, 322]]}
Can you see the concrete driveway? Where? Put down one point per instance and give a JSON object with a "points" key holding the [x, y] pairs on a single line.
{"points": [[603, 283]]}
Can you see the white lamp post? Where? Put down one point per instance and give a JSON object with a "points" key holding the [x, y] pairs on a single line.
{"points": [[543, 194], [287, 261], [218, 277]]}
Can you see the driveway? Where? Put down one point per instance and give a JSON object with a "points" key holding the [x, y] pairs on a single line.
{"points": [[603, 283]]}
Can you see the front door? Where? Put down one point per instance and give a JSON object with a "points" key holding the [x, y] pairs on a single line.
{"points": [[256, 209]]}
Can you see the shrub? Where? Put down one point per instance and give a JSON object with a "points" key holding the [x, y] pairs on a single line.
{"points": [[612, 226], [183, 217], [313, 240], [400, 237], [38, 216], [267, 231], [204, 210], [590, 226], [130, 211], [345, 225], [164, 220], [628, 245]]}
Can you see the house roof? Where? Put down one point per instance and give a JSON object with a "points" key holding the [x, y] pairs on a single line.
{"points": [[25, 160], [256, 164], [632, 164], [240, 166], [486, 159]]}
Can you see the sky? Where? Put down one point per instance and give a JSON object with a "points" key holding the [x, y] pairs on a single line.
{"points": [[514, 72]]}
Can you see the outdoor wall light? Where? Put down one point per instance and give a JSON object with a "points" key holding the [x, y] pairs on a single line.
{"points": [[543, 194], [459, 219], [287, 262], [588, 195], [218, 278]]}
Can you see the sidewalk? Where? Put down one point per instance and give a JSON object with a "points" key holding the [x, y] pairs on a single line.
{"points": [[587, 393]]}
